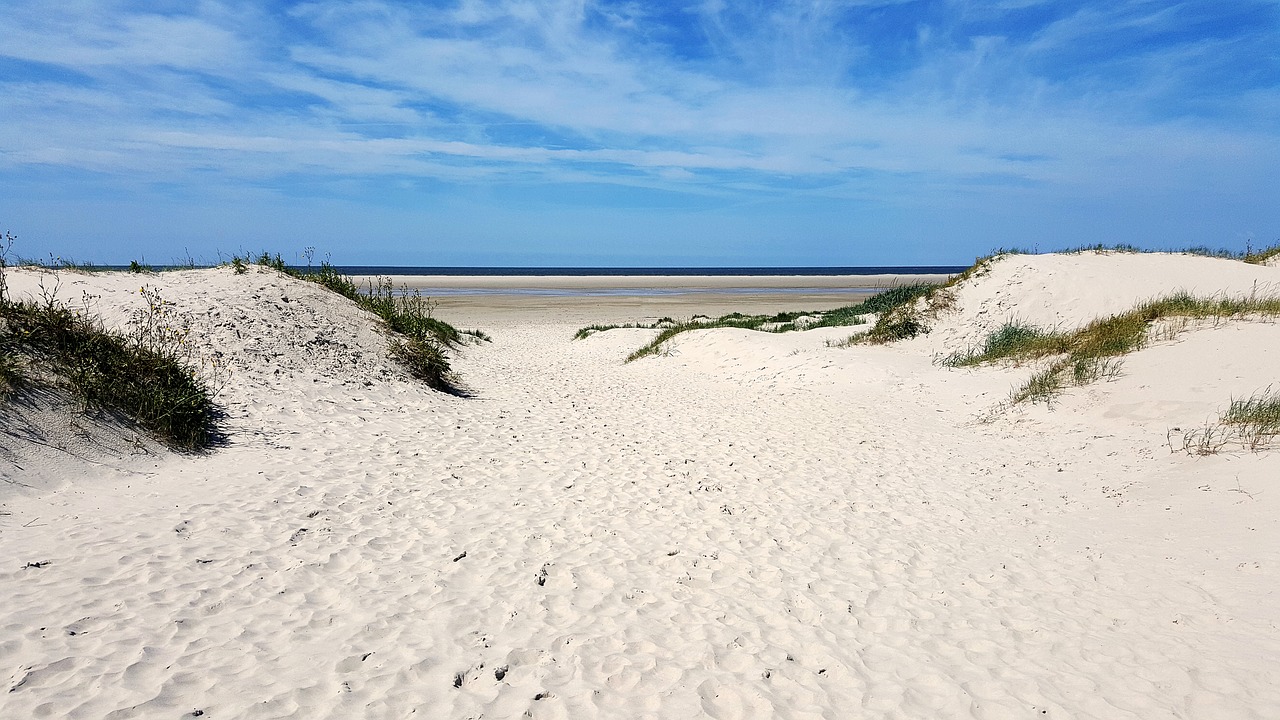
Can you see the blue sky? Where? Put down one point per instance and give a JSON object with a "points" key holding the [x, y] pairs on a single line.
{"points": [[702, 132]]}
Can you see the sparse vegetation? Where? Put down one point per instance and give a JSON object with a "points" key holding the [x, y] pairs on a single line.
{"points": [[909, 315], [1261, 256], [1011, 340], [909, 319], [1255, 419], [1252, 422], [1249, 255], [590, 330], [420, 342], [850, 315], [1092, 352], [145, 375], [11, 372]]}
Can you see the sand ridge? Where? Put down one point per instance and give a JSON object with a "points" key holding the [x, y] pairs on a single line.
{"points": [[749, 525]]}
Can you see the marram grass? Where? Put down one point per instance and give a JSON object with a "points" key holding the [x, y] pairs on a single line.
{"points": [[1093, 352], [143, 376], [847, 316], [1253, 423]]}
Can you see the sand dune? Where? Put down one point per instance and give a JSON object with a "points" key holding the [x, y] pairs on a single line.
{"points": [[749, 525], [1066, 291]]}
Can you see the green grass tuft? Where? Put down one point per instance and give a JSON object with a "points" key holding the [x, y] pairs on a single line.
{"points": [[141, 376], [849, 315], [1261, 256], [12, 372], [1042, 387], [1091, 352], [1253, 422], [1256, 419], [1011, 340]]}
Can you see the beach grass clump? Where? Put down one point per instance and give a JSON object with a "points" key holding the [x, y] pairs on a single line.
{"points": [[592, 329], [1263, 255], [1257, 418], [425, 361], [906, 313], [143, 375], [654, 347], [788, 321], [1012, 340], [1252, 422], [1093, 352], [910, 310], [900, 324], [12, 372]]}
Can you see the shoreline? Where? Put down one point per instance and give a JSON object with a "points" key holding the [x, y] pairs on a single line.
{"points": [[869, 283], [480, 301]]}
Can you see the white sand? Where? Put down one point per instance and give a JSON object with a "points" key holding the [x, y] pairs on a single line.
{"points": [[751, 525]]}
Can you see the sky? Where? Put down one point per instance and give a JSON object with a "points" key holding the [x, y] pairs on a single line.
{"points": [[683, 133]]}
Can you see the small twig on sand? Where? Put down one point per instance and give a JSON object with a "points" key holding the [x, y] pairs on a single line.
{"points": [[1240, 489]]}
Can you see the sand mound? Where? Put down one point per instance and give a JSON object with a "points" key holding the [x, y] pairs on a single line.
{"points": [[257, 336], [1067, 291], [261, 324]]}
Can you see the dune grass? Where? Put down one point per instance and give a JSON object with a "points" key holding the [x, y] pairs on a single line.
{"points": [[1256, 418], [1262, 255], [586, 332], [1248, 255], [144, 375], [907, 314], [1093, 352], [1253, 423], [420, 342], [909, 319], [12, 371], [885, 303], [1011, 340], [790, 321]]}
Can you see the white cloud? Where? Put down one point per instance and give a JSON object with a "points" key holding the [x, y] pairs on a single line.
{"points": [[572, 91]]}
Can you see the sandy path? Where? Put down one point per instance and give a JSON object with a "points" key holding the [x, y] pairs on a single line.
{"points": [[586, 539]]}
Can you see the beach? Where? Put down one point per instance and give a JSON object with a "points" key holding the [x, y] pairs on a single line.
{"points": [[743, 525], [472, 300]]}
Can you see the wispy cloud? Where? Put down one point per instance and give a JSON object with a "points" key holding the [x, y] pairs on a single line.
{"points": [[822, 98]]}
